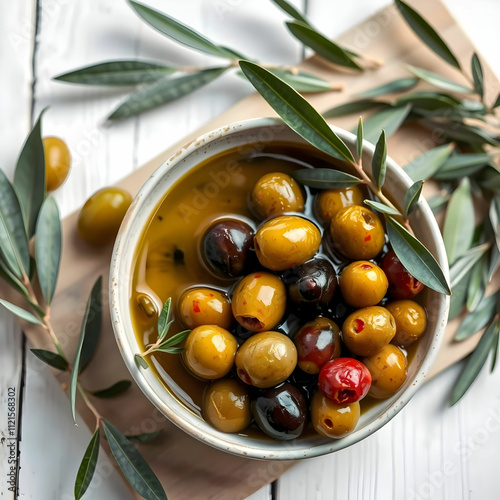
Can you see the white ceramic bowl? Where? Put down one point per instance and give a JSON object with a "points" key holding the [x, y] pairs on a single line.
{"points": [[144, 206]]}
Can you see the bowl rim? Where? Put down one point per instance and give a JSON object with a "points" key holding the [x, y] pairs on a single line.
{"points": [[185, 419]]}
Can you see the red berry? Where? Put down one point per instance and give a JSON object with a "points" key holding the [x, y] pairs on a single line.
{"points": [[344, 380], [402, 285]]}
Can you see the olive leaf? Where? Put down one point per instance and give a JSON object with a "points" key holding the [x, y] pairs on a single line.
{"points": [[419, 262], [477, 75], [302, 82], [135, 469], [379, 161], [497, 102], [458, 297], [427, 100], [459, 222], [322, 46], [476, 362], [48, 245], [140, 362], [296, 112], [179, 32], [489, 178], [21, 313], [462, 164], [465, 263], [92, 324], [428, 163], [494, 262], [29, 177], [426, 33], [324, 178], [477, 283], [411, 197], [142, 438], [87, 466], [164, 319], [117, 73], [389, 119], [461, 132], [380, 207], [115, 390], [399, 85], [439, 81], [350, 108], [290, 10], [13, 241], [478, 319], [163, 91], [168, 345], [359, 139], [51, 358], [494, 216], [437, 203]]}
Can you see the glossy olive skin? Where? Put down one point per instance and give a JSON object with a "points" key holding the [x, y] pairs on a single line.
{"points": [[266, 359], [313, 282], [209, 352], [344, 380], [146, 305], [411, 321], [57, 162], [205, 306], [388, 369], [286, 241], [307, 384], [101, 216], [368, 330], [259, 301], [363, 284], [226, 405], [274, 194], [331, 419], [330, 201], [227, 248], [357, 233], [281, 412], [402, 285], [317, 342]]}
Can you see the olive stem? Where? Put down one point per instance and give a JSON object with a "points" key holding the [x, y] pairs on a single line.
{"points": [[89, 404]]}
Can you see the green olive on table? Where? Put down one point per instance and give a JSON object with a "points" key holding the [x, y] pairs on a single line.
{"points": [[286, 241], [357, 233], [57, 162], [226, 405], [205, 306], [411, 321], [330, 201], [276, 193], [101, 216], [209, 352], [363, 284]]}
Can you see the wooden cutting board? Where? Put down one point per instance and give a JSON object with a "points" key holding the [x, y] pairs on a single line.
{"points": [[187, 468]]}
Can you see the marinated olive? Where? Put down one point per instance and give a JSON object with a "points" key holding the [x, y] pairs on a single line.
{"points": [[57, 162], [146, 305], [344, 380], [259, 301], [205, 306], [330, 201], [306, 383], [411, 321], [226, 405], [357, 233], [331, 419], [363, 284], [402, 285], [317, 342], [266, 359], [209, 352], [276, 193], [101, 216], [286, 241], [388, 369], [227, 248], [366, 331], [281, 412], [312, 282]]}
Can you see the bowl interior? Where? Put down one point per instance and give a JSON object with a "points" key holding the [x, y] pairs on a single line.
{"points": [[257, 132]]}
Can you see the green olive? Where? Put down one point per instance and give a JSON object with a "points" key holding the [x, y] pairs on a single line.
{"points": [[57, 162], [368, 330], [363, 284], [259, 301], [276, 193], [205, 306], [101, 216], [266, 359], [286, 241], [209, 352], [411, 321], [388, 369], [330, 201], [146, 305], [357, 233], [226, 405], [331, 419]]}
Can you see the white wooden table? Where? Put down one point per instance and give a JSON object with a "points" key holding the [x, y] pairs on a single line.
{"points": [[427, 451]]}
